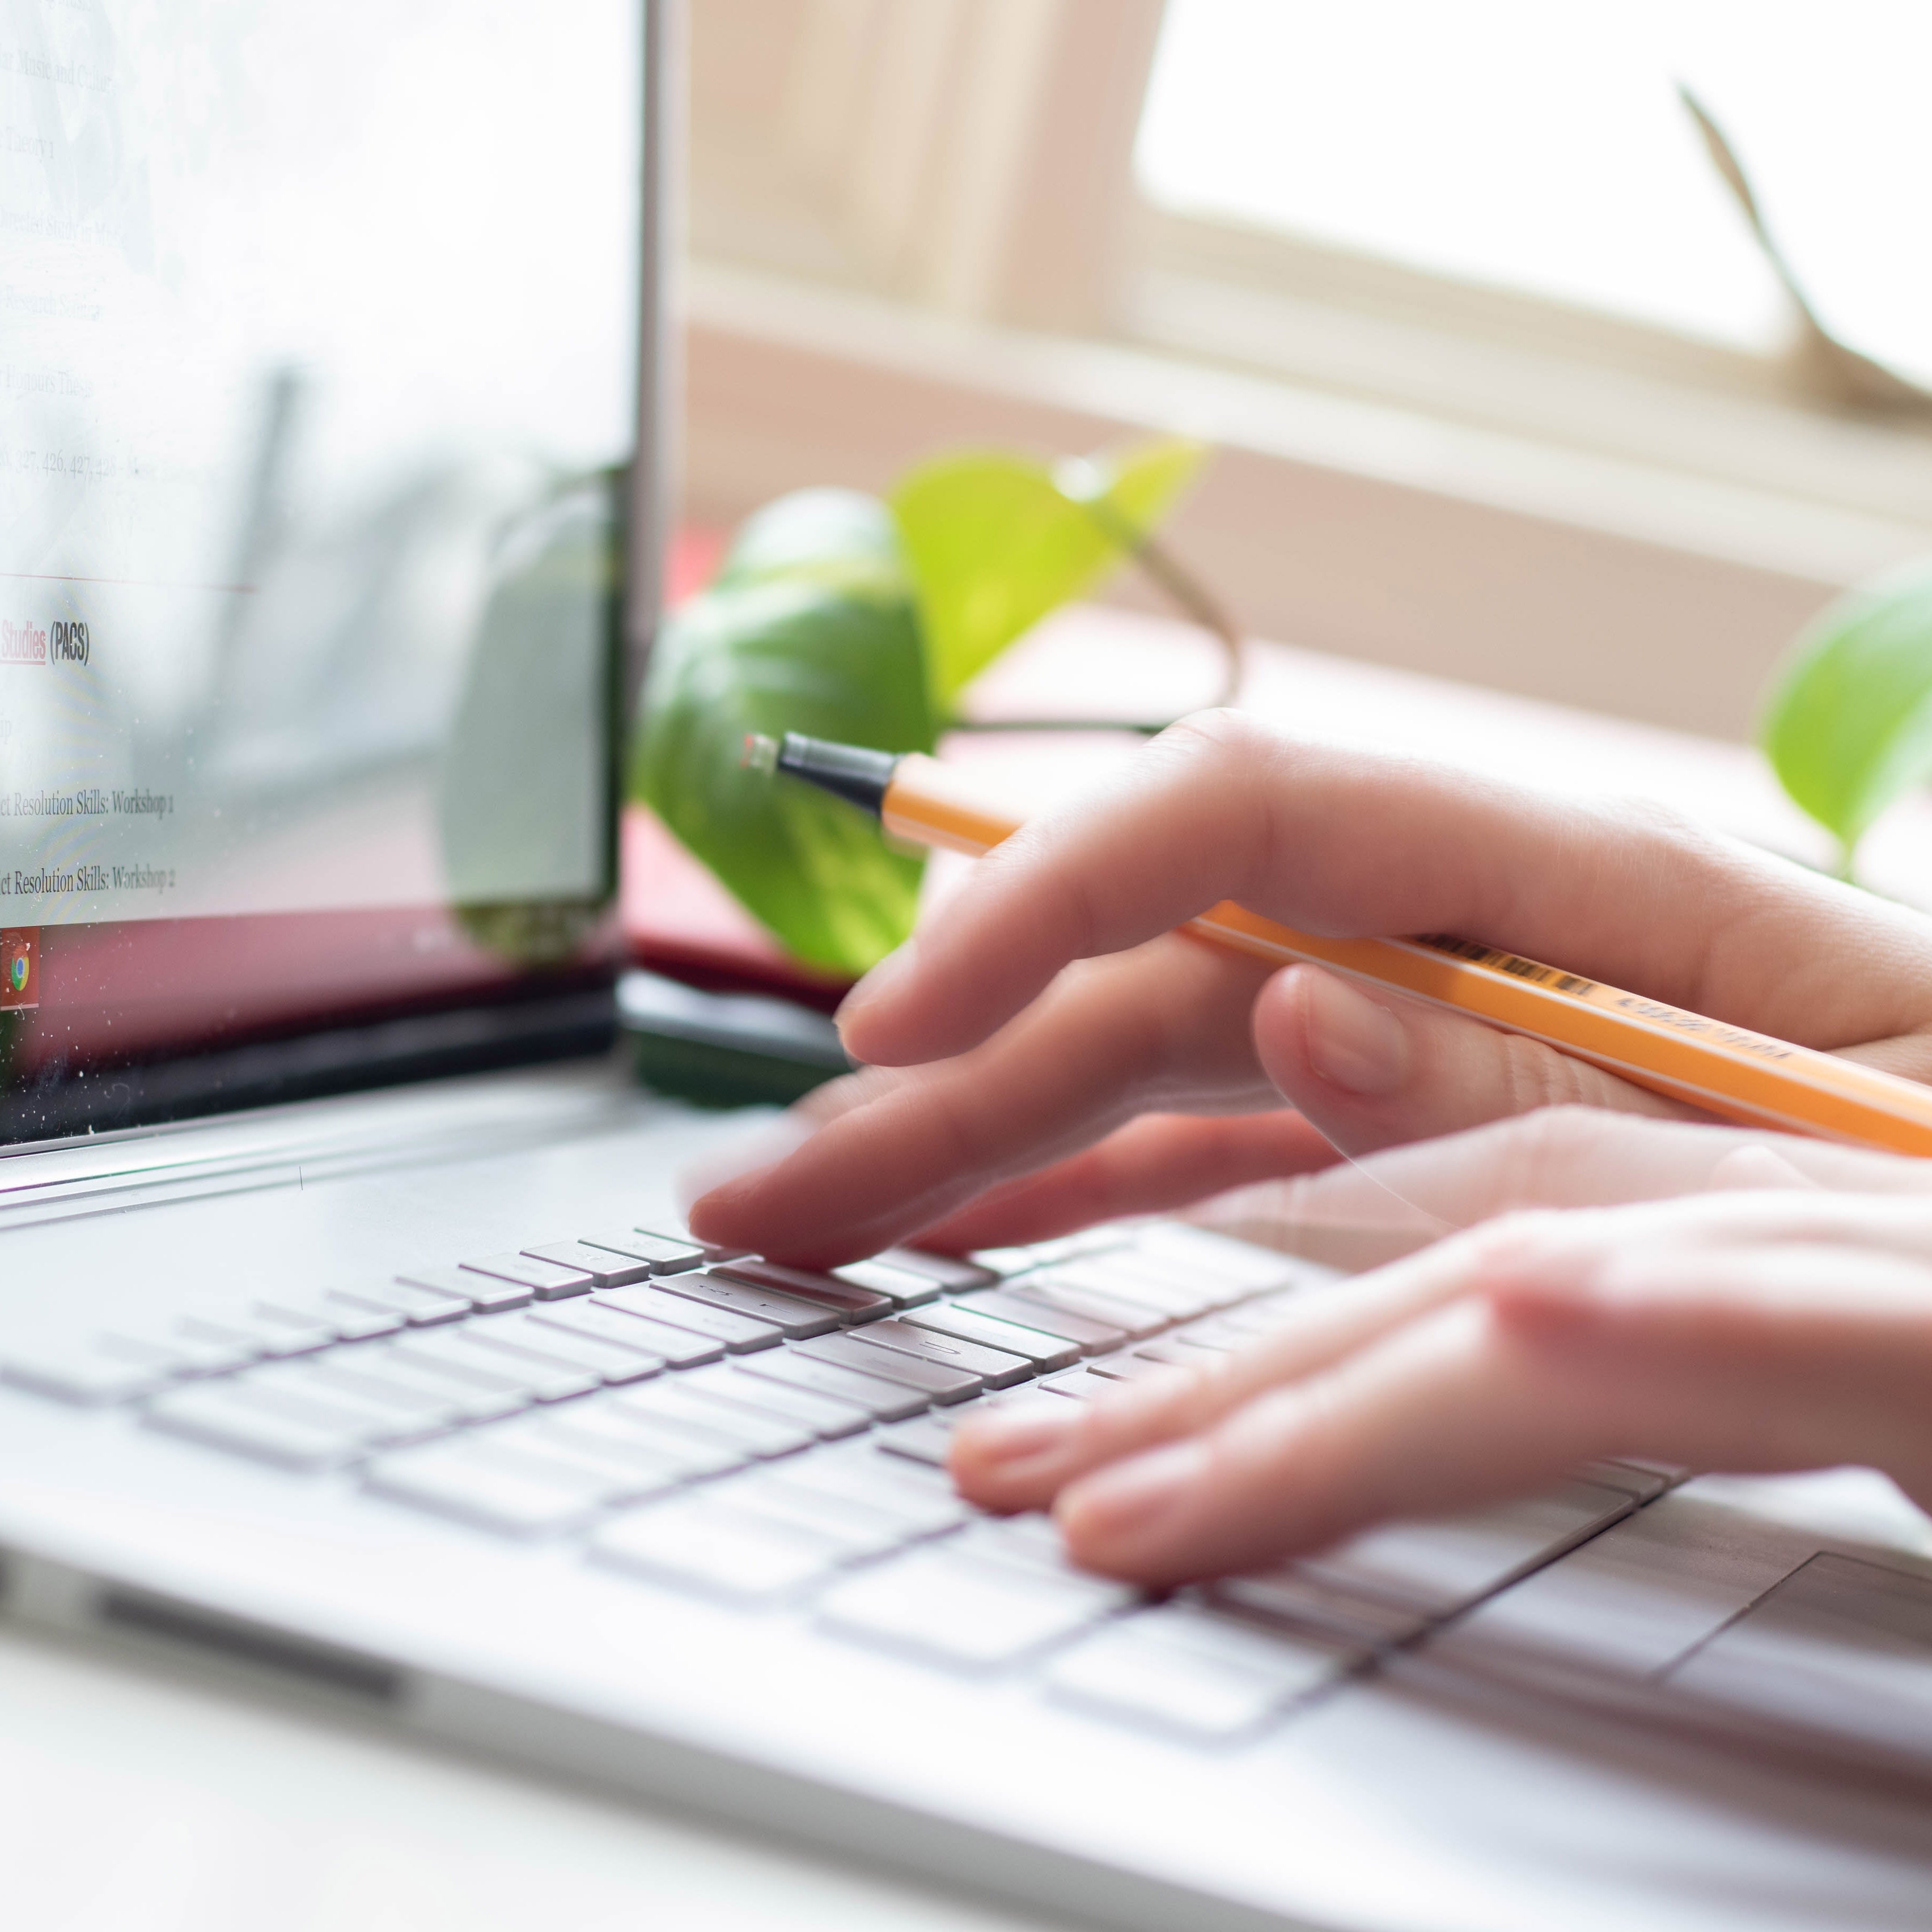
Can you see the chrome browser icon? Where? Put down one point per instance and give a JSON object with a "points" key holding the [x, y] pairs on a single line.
{"points": [[20, 968]]}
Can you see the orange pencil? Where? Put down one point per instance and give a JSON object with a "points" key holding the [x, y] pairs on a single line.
{"points": [[1727, 1070]]}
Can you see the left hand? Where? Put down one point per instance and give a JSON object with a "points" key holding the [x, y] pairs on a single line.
{"points": [[1781, 1319]]}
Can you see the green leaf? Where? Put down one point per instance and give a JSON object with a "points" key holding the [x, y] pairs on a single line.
{"points": [[810, 627], [996, 540], [1849, 727]]}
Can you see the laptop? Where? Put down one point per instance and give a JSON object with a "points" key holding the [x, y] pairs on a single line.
{"points": [[350, 1341]]}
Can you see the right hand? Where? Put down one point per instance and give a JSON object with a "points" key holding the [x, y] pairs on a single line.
{"points": [[1047, 1052]]}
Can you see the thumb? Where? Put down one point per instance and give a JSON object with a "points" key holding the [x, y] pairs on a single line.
{"points": [[1372, 1068]]}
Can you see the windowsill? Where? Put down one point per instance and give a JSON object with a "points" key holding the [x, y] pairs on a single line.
{"points": [[1598, 538]]}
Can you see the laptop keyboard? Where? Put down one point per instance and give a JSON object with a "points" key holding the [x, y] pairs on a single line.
{"points": [[776, 1439]]}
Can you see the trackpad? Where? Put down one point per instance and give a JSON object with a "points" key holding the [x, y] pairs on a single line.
{"points": [[1840, 1646]]}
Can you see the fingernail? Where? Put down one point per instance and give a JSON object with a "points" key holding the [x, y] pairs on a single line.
{"points": [[878, 986], [764, 1146], [1355, 1043], [1133, 1497], [1002, 1440]]}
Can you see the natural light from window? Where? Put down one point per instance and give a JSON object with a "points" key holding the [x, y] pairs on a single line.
{"points": [[1540, 147]]}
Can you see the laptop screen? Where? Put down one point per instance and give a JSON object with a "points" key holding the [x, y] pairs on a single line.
{"points": [[319, 368]]}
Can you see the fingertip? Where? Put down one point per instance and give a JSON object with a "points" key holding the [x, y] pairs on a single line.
{"points": [[1008, 1459]]}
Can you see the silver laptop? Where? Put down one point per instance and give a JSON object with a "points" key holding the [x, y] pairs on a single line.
{"points": [[350, 1341]]}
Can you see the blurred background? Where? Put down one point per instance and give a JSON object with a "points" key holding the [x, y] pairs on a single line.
{"points": [[1504, 389]]}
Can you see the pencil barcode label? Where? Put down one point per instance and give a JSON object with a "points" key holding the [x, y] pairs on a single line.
{"points": [[1506, 962]]}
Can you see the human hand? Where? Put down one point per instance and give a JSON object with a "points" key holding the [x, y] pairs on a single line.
{"points": [[1776, 1314], [1047, 1052]]}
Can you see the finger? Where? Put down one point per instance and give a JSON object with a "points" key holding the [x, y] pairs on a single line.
{"points": [[1372, 1069], [1164, 1028], [1337, 840], [1157, 1163], [1559, 1157], [1021, 1457], [1497, 1392]]}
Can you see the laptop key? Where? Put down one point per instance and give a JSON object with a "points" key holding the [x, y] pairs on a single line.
{"points": [[345, 1322], [1116, 1276], [677, 1405], [605, 1268], [1088, 1336], [662, 1253], [946, 1271], [1159, 1669], [381, 1418], [587, 1321], [373, 1380], [265, 1335], [828, 1418], [935, 1381], [851, 1303], [289, 1432], [486, 1373], [484, 1293], [1038, 1349], [610, 1423], [900, 1286], [629, 1468], [997, 1368], [1254, 1270], [473, 1481], [739, 1333], [546, 1280], [925, 1439], [883, 1401], [785, 1313], [858, 1532], [742, 1558], [927, 1505], [476, 1396], [1134, 1319], [88, 1369], [420, 1307], [977, 1616], [578, 1357]]}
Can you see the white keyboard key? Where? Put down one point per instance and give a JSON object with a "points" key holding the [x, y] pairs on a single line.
{"points": [[926, 1505], [857, 1533], [1042, 1350], [546, 1280], [827, 1416], [584, 1321], [900, 1286], [692, 1412], [1031, 1544], [526, 1335], [478, 1397], [885, 1401], [739, 1558], [1254, 1270], [1154, 1669], [739, 1333], [977, 1615], [541, 1377], [89, 1369], [625, 1432], [628, 1468], [343, 1320], [605, 1268], [380, 1417], [1436, 1567], [493, 1488], [420, 1307], [292, 1433]]}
